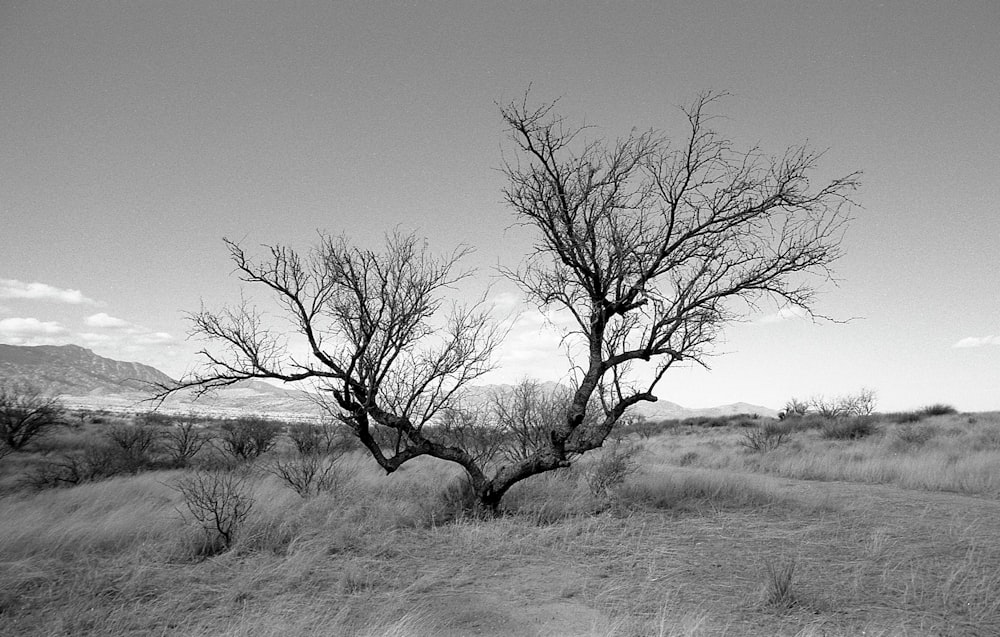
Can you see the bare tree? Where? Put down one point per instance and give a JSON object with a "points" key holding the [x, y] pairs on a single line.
{"points": [[26, 413], [183, 439], [387, 353], [525, 416], [653, 247]]}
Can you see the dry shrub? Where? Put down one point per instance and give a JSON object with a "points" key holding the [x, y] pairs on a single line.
{"points": [[612, 468], [916, 436], [849, 428], [768, 437], [308, 474], [217, 501]]}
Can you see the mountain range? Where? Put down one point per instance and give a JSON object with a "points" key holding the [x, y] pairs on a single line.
{"points": [[83, 379]]}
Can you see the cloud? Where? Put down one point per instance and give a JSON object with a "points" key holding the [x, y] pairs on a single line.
{"points": [[102, 319], [153, 338], [14, 289], [978, 341], [29, 327], [784, 314]]}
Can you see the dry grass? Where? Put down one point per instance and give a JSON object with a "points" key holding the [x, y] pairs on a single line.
{"points": [[674, 551], [957, 453]]}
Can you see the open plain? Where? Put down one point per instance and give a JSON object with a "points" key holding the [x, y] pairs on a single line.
{"points": [[895, 533]]}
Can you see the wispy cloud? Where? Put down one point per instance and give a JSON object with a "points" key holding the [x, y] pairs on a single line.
{"points": [[29, 327], [978, 341], [14, 289], [102, 319], [784, 314], [31, 331], [153, 338]]}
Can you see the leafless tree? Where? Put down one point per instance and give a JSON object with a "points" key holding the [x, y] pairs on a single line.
{"points": [[525, 416], [26, 413], [387, 353], [653, 247], [183, 439]]}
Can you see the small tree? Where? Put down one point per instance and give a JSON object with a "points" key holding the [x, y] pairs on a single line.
{"points": [[26, 414]]}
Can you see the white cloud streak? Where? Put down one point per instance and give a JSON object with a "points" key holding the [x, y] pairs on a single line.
{"points": [[977, 341], [14, 289], [21, 327], [102, 319]]}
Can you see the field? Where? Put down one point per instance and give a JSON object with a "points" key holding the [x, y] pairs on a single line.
{"points": [[895, 532]]}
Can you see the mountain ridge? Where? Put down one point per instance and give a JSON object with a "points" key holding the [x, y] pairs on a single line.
{"points": [[86, 380]]}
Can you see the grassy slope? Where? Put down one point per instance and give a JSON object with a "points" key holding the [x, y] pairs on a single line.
{"points": [[679, 551]]}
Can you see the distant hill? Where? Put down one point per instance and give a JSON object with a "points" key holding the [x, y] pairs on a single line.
{"points": [[84, 379], [660, 410], [74, 370]]}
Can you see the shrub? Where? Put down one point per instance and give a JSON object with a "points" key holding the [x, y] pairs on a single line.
{"points": [[249, 437], [135, 444], [612, 468], [768, 437], [916, 435], [183, 440], [939, 410], [308, 474], [849, 428], [26, 413], [94, 461], [794, 408], [861, 403], [906, 417], [688, 458], [219, 502]]}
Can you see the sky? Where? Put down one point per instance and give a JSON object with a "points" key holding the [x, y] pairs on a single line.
{"points": [[134, 136]]}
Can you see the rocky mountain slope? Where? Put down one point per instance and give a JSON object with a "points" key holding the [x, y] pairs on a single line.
{"points": [[74, 370]]}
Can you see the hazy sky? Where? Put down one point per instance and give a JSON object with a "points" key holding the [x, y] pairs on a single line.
{"points": [[135, 135]]}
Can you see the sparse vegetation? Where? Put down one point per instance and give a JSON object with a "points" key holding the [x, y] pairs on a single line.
{"points": [[715, 545]]}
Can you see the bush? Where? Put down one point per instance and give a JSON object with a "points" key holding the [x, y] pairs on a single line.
{"points": [[916, 435], [219, 502], [249, 437], [182, 440], [768, 437], [94, 461], [849, 428], [939, 410], [905, 417], [308, 474], [611, 469], [134, 443], [26, 413], [861, 403]]}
